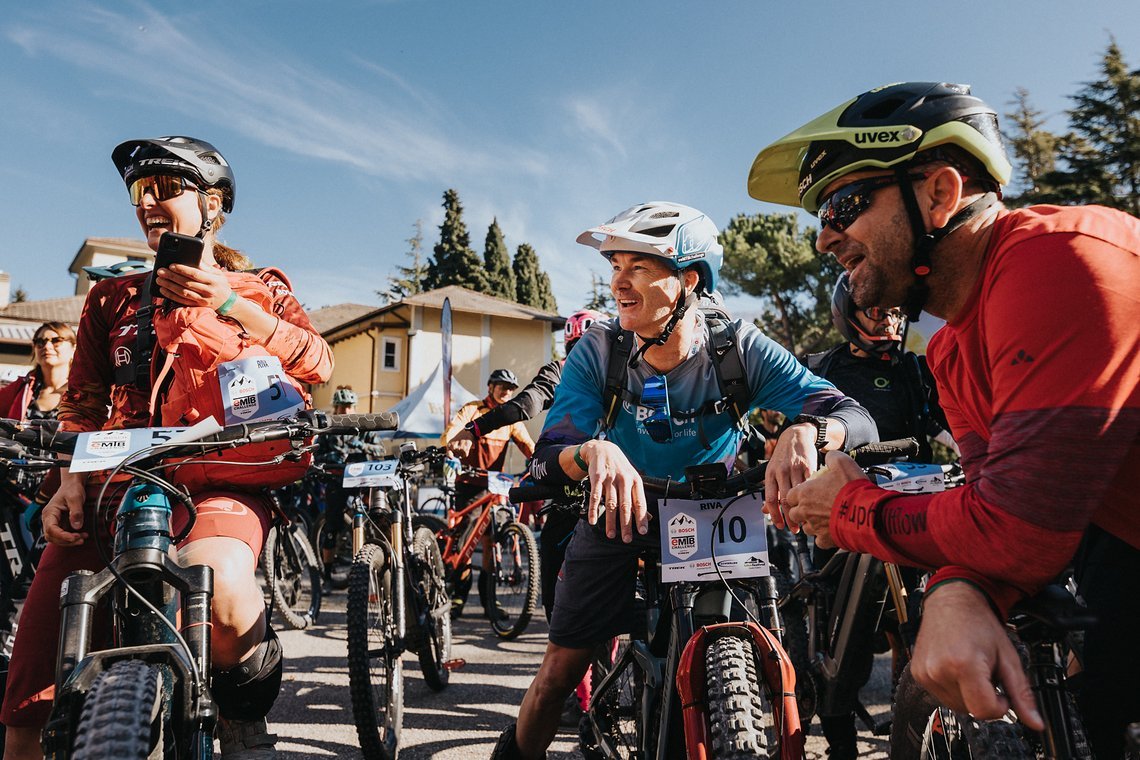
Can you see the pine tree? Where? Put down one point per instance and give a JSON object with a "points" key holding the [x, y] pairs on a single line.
{"points": [[526, 271], [1102, 152], [600, 298], [20, 296], [453, 261], [1034, 149], [497, 260], [411, 278]]}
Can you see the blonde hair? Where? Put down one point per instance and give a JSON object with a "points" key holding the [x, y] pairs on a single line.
{"points": [[226, 257]]}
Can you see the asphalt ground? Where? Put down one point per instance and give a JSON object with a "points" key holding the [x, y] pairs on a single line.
{"points": [[313, 715]]}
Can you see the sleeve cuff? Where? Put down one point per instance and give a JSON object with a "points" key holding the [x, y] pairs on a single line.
{"points": [[1001, 596]]}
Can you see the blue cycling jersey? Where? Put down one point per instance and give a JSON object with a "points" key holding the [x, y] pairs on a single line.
{"points": [[776, 380]]}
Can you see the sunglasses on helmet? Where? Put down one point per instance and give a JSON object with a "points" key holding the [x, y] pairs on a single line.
{"points": [[844, 206], [655, 400], [162, 187]]}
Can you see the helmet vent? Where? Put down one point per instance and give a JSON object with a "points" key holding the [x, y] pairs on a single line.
{"points": [[210, 158], [884, 109], [658, 232], [664, 215]]}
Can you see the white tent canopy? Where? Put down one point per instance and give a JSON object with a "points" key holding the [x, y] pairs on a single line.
{"points": [[421, 411]]}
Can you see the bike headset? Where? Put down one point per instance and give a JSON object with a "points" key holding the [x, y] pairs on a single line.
{"points": [[195, 160], [898, 127], [682, 236]]}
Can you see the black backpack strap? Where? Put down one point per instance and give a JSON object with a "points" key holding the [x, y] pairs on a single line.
{"points": [[136, 372], [617, 371], [729, 365]]}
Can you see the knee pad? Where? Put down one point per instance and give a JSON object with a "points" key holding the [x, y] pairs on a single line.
{"points": [[248, 690], [506, 748]]}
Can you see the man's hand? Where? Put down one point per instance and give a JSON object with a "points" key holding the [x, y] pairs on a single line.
{"points": [[963, 650], [809, 503], [792, 462], [191, 286], [63, 514], [615, 486], [461, 444]]}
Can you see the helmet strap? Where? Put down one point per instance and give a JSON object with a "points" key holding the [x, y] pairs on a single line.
{"points": [[207, 222], [683, 303], [925, 242]]}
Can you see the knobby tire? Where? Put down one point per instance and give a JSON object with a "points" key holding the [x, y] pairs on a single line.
{"points": [[735, 703], [513, 596], [432, 641], [374, 671], [293, 575], [120, 716]]}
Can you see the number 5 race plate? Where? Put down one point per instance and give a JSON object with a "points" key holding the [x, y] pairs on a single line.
{"points": [[695, 544]]}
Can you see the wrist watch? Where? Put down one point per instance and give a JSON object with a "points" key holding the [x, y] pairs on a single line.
{"points": [[473, 429], [820, 428]]}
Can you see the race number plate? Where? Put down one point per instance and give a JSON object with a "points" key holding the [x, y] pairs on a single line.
{"points": [[106, 449], [500, 483], [910, 478], [695, 545], [380, 474], [255, 389]]}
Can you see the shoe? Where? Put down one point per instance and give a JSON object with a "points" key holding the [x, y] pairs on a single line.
{"points": [[571, 712], [246, 740]]}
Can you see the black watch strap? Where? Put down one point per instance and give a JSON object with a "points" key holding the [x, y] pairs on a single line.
{"points": [[820, 428], [473, 429]]}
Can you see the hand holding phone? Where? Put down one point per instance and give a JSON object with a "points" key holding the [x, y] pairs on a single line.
{"points": [[174, 248]]}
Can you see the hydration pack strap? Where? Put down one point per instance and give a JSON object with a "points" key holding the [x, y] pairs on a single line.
{"points": [[616, 372], [136, 372]]}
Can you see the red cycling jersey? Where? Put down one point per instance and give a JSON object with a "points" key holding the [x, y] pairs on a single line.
{"points": [[1039, 376]]}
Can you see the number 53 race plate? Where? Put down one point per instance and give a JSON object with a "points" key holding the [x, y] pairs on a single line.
{"points": [[694, 544]]}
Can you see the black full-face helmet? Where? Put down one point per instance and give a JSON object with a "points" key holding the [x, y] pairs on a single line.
{"points": [[196, 160], [846, 321]]}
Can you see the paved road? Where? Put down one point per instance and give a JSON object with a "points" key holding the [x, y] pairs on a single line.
{"points": [[313, 715]]}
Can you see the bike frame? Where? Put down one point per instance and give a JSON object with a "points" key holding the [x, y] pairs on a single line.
{"points": [[457, 551], [143, 557]]}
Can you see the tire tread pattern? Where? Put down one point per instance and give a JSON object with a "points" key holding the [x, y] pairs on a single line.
{"points": [[735, 703]]}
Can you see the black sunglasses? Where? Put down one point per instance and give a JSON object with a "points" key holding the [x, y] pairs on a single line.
{"points": [[41, 342], [844, 206], [878, 313]]}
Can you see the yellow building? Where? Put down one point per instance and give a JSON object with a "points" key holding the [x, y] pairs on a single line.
{"points": [[388, 351]]}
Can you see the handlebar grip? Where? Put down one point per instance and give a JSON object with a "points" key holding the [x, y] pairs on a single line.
{"points": [[47, 437], [884, 451], [9, 449], [535, 493], [352, 423]]}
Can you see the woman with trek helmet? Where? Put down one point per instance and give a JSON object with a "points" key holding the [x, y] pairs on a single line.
{"points": [[180, 185]]}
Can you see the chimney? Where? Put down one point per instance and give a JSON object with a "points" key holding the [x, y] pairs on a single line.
{"points": [[5, 290]]}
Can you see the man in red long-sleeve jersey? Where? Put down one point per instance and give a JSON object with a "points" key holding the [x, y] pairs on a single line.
{"points": [[1039, 374]]}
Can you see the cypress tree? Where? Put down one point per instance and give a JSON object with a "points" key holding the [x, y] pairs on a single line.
{"points": [[453, 261], [497, 260], [545, 293], [526, 271]]}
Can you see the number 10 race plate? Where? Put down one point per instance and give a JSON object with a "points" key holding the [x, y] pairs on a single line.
{"points": [[695, 545]]}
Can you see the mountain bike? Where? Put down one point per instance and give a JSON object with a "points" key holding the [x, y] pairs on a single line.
{"points": [[511, 593], [397, 600], [707, 675], [23, 542], [291, 569], [148, 695]]}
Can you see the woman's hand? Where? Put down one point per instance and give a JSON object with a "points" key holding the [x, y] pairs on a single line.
{"points": [[793, 461], [191, 286], [63, 514]]}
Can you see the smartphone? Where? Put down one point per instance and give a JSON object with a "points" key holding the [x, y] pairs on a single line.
{"points": [[174, 248]]}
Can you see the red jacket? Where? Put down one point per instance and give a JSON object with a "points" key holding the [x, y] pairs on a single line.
{"points": [[1039, 376], [16, 396]]}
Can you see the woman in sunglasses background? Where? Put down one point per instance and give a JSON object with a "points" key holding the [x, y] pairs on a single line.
{"points": [[179, 185], [36, 395]]}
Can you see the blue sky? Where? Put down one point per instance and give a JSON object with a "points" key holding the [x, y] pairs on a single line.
{"points": [[346, 121]]}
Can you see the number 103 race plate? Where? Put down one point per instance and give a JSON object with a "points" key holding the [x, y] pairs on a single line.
{"points": [[695, 544]]}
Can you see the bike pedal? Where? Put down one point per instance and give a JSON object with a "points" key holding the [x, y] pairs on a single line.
{"points": [[456, 664]]}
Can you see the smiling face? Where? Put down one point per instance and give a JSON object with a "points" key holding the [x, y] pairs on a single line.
{"points": [[500, 392], [178, 214], [646, 290], [52, 349], [876, 248]]}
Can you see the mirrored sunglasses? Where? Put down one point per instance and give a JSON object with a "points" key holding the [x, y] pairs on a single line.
{"points": [[162, 187], [655, 398], [844, 206]]}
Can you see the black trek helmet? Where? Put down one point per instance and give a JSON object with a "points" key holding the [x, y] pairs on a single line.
{"points": [[843, 310], [196, 160]]}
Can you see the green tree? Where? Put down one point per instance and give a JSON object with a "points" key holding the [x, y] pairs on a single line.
{"points": [[453, 261], [1101, 154], [546, 293], [410, 279], [1034, 149], [526, 271], [497, 260], [600, 298], [770, 257]]}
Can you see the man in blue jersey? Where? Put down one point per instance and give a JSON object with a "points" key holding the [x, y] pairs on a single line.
{"points": [[668, 415]]}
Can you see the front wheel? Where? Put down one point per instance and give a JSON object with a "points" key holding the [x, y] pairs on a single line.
{"points": [[374, 672], [735, 703], [429, 635], [513, 595], [121, 715], [293, 575]]}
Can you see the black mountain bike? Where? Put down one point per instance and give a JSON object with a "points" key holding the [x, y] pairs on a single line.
{"points": [[291, 569], [148, 695], [397, 602]]}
